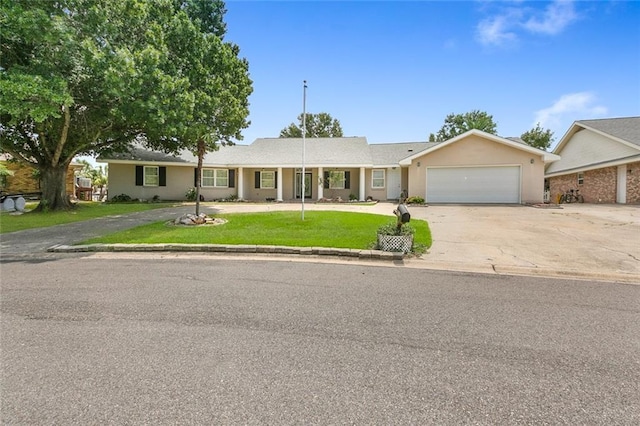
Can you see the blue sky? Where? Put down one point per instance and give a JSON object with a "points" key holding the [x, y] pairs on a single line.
{"points": [[393, 70]]}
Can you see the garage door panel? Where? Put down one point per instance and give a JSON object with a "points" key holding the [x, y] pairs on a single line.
{"points": [[473, 185]]}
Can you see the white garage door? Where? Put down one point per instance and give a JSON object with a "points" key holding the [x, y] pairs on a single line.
{"points": [[473, 184]]}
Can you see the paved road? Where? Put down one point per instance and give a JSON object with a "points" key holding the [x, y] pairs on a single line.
{"points": [[194, 339]]}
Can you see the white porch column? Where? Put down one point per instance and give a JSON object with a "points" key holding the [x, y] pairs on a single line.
{"points": [[362, 186], [240, 183], [320, 183], [279, 184]]}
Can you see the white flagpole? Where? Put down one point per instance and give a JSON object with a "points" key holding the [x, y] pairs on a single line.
{"points": [[304, 131]]}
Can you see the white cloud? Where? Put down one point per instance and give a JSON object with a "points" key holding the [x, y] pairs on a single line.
{"points": [[495, 31], [511, 22], [570, 107], [556, 17]]}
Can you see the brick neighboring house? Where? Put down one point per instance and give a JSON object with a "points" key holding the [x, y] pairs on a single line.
{"points": [[24, 180], [601, 159]]}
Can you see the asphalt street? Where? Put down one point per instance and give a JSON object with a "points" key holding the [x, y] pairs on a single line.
{"points": [[199, 339]]}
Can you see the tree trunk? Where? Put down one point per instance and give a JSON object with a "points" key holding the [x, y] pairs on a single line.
{"points": [[53, 186], [201, 151]]}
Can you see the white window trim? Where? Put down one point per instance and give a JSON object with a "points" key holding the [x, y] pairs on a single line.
{"points": [[580, 178], [383, 178], [273, 178], [333, 180], [157, 176], [215, 178]]}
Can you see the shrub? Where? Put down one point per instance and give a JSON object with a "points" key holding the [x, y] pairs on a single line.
{"points": [[353, 197], [122, 198], [191, 194], [415, 200], [391, 228]]}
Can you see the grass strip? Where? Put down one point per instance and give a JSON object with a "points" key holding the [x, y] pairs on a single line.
{"points": [[83, 210], [284, 228]]}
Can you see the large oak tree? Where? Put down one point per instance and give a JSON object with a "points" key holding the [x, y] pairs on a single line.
{"points": [[90, 76]]}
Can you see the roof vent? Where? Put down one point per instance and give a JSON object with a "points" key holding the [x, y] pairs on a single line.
{"points": [[410, 150]]}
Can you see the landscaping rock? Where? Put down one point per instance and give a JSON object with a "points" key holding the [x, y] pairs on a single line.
{"points": [[191, 219]]}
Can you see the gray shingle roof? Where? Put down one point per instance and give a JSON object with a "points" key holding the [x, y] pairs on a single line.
{"points": [[625, 128], [318, 151], [265, 152], [385, 154]]}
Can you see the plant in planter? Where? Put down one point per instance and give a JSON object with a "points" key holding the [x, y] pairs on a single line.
{"points": [[394, 237]]}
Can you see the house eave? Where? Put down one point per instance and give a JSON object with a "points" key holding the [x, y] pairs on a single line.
{"points": [[594, 166], [238, 165], [150, 162]]}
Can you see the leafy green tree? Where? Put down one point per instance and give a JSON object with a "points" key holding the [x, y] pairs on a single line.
{"points": [[538, 137], [320, 125], [86, 77], [75, 78], [457, 124], [218, 83]]}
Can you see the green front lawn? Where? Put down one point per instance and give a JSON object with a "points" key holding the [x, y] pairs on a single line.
{"points": [[84, 210], [319, 229]]}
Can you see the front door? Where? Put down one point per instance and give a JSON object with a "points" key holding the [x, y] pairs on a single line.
{"points": [[307, 184]]}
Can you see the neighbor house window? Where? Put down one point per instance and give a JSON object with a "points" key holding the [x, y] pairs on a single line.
{"points": [[218, 178], [377, 179], [580, 178], [336, 180], [267, 180], [151, 176]]}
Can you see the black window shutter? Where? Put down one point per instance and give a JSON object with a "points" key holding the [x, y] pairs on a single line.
{"points": [[326, 179], [162, 172], [139, 175], [232, 178], [276, 182], [347, 180], [195, 177], [257, 183]]}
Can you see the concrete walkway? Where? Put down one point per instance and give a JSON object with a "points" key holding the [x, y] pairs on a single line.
{"points": [[576, 241]]}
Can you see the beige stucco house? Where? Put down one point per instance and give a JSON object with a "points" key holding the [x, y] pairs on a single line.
{"points": [[601, 159], [475, 167]]}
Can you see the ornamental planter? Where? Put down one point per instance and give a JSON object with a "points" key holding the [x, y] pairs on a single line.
{"points": [[397, 243]]}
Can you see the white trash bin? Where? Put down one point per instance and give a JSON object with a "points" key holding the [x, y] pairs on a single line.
{"points": [[9, 205], [20, 203]]}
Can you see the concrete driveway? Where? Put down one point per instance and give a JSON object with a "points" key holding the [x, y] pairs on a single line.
{"points": [[572, 240], [577, 240]]}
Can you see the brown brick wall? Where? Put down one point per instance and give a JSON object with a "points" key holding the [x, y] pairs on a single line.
{"points": [[600, 185], [23, 180], [633, 183]]}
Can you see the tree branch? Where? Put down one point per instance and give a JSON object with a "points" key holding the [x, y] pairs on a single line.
{"points": [[63, 136]]}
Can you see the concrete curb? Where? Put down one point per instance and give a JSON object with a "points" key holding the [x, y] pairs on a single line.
{"points": [[350, 254], [222, 248]]}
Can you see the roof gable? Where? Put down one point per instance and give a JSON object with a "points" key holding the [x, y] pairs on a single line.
{"points": [[598, 143], [548, 157]]}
